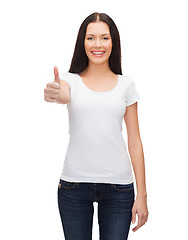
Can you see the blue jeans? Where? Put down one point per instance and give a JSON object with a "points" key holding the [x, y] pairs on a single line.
{"points": [[115, 202]]}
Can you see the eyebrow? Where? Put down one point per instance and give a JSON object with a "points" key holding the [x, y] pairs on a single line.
{"points": [[101, 35]]}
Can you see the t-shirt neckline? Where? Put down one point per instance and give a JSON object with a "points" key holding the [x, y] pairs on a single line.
{"points": [[97, 92]]}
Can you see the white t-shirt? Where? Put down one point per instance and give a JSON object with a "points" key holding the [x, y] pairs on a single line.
{"points": [[97, 151]]}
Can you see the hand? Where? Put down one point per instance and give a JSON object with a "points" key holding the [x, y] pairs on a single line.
{"points": [[139, 208], [51, 92]]}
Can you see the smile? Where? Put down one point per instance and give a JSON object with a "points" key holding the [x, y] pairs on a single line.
{"points": [[98, 53]]}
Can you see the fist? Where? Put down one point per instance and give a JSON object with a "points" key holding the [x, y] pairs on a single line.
{"points": [[51, 92]]}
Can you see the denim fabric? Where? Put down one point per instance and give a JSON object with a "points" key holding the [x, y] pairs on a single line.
{"points": [[75, 203]]}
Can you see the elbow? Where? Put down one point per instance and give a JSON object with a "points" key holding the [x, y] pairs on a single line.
{"points": [[135, 150]]}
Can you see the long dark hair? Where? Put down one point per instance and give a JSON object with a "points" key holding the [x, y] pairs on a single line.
{"points": [[80, 60]]}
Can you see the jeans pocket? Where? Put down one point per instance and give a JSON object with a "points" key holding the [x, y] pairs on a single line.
{"points": [[66, 184], [123, 187]]}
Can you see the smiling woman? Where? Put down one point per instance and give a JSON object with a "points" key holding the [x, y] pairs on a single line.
{"points": [[97, 166], [97, 32], [96, 45]]}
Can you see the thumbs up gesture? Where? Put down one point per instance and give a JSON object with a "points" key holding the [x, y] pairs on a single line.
{"points": [[56, 91], [51, 92]]}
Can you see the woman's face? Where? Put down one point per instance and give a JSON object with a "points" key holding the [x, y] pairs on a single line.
{"points": [[98, 42]]}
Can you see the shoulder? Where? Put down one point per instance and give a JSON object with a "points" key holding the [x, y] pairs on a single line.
{"points": [[130, 90], [127, 81], [68, 77]]}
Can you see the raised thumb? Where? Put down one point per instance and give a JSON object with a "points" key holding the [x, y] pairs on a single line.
{"points": [[56, 74]]}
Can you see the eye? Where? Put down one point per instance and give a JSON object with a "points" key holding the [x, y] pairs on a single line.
{"points": [[89, 38], [105, 38]]}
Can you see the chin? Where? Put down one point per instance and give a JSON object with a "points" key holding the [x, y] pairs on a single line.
{"points": [[98, 61]]}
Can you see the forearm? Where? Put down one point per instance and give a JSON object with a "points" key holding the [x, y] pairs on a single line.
{"points": [[137, 159]]}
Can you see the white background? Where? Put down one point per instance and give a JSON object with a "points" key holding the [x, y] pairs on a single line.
{"points": [[38, 35]]}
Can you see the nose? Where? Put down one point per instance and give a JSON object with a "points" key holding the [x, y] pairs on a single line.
{"points": [[97, 43]]}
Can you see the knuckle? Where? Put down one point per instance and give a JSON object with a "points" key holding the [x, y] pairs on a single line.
{"points": [[49, 84]]}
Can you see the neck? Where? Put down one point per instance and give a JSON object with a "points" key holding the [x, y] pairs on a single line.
{"points": [[98, 70]]}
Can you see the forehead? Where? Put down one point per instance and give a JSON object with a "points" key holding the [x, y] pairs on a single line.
{"points": [[97, 28]]}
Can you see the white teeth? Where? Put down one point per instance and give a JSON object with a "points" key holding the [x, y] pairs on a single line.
{"points": [[97, 53]]}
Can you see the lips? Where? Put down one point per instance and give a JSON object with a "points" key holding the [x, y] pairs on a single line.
{"points": [[98, 53]]}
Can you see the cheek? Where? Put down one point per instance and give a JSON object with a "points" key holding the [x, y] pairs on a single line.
{"points": [[109, 49], [108, 46], [87, 46]]}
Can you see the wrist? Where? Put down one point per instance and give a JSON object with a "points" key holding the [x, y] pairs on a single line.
{"points": [[142, 195], [62, 100]]}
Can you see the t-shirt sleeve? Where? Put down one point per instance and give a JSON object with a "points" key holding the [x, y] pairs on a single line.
{"points": [[132, 95], [67, 77]]}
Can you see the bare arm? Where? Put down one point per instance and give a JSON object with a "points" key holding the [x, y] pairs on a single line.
{"points": [[137, 159], [135, 148]]}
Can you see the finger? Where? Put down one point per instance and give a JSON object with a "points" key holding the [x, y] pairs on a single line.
{"points": [[47, 95], [56, 74], [51, 90], [140, 223], [133, 216], [53, 85], [49, 99], [136, 228]]}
